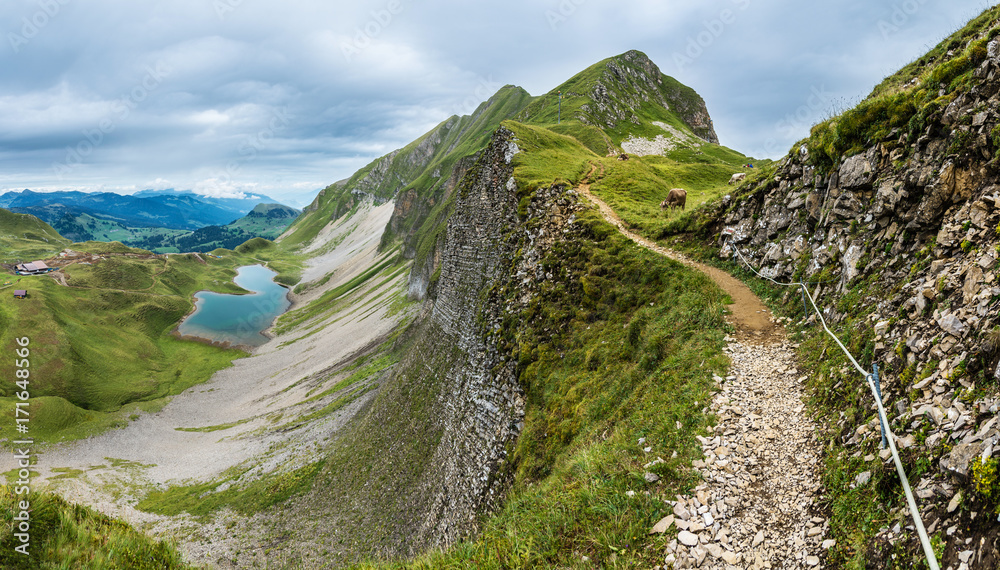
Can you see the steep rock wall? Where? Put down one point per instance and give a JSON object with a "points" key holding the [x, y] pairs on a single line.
{"points": [[901, 240], [489, 268]]}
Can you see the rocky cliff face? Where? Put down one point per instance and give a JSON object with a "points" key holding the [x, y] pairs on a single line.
{"points": [[631, 81], [488, 263], [900, 242]]}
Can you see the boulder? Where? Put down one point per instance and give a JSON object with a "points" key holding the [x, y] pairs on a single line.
{"points": [[937, 195], [852, 256], [856, 172], [973, 281], [814, 202], [953, 325], [687, 538]]}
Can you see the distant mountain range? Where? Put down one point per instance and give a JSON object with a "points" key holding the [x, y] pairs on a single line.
{"points": [[264, 220], [178, 210]]}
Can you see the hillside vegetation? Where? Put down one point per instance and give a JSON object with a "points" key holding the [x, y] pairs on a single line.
{"points": [[74, 536], [889, 211], [25, 238], [106, 350]]}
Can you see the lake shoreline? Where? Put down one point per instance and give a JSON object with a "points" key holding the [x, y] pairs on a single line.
{"points": [[237, 321]]}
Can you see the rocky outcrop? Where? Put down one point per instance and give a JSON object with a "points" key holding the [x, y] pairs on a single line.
{"points": [[489, 268], [902, 240], [631, 81]]}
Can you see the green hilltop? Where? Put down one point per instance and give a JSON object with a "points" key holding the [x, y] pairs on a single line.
{"points": [[619, 97], [23, 236]]}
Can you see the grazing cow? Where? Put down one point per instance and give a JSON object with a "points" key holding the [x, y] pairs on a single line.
{"points": [[676, 198], [738, 177], [623, 156]]}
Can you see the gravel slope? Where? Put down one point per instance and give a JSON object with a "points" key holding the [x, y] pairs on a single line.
{"points": [[259, 395]]}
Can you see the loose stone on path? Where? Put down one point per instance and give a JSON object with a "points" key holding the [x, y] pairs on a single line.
{"points": [[756, 507]]}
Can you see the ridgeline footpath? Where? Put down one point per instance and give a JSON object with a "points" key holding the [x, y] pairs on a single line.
{"points": [[758, 501]]}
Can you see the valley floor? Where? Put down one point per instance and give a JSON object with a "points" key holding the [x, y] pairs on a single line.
{"points": [[248, 420]]}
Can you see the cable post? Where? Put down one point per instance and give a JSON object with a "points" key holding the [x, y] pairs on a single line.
{"points": [[878, 392]]}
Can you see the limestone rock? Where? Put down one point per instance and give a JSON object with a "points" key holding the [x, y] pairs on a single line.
{"points": [[662, 526], [851, 259], [957, 462], [855, 172], [688, 538], [953, 325]]}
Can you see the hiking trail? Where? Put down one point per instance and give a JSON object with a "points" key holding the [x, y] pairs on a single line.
{"points": [[756, 506]]}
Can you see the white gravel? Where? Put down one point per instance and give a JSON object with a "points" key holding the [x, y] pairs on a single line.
{"points": [[760, 473]]}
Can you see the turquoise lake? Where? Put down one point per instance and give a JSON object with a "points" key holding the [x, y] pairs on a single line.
{"points": [[238, 319]]}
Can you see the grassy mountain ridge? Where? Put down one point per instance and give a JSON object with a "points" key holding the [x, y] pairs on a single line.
{"points": [[23, 236], [906, 103], [423, 168]]}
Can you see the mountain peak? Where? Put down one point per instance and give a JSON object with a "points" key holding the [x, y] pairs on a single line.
{"points": [[623, 96], [631, 81]]}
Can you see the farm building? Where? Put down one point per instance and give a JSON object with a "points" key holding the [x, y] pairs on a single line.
{"points": [[33, 268], [20, 294]]}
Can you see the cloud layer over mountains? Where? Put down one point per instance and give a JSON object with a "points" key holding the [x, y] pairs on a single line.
{"points": [[232, 96]]}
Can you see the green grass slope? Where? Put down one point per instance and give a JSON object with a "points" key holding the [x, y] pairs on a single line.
{"points": [[25, 238], [74, 536], [101, 347], [905, 103]]}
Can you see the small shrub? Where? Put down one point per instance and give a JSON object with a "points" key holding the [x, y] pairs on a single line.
{"points": [[984, 476]]}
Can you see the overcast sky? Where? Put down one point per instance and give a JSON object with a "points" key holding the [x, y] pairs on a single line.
{"points": [[284, 98]]}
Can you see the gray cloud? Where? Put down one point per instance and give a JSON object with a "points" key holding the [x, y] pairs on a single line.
{"points": [[230, 95]]}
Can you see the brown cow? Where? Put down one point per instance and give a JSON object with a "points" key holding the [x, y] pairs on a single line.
{"points": [[676, 197], [623, 156]]}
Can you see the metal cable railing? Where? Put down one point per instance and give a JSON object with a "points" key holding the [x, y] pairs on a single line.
{"points": [[872, 379]]}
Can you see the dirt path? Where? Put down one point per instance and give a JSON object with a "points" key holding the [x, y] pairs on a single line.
{"points": [[756, 507], [747, 313]]}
